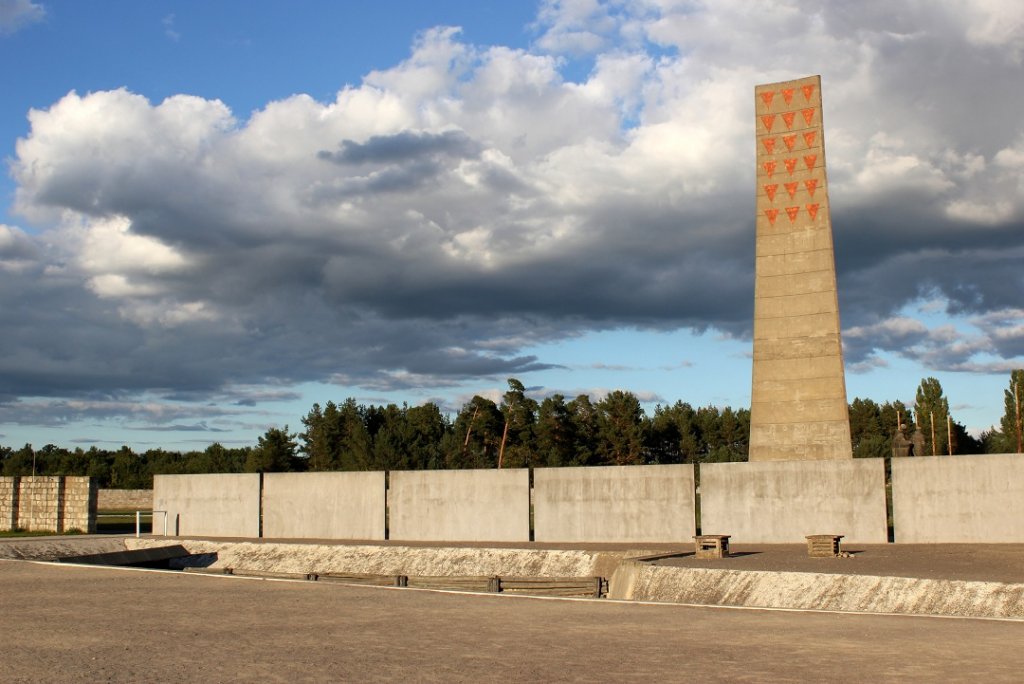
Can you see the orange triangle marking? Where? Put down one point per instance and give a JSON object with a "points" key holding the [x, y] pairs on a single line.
{"points": [[766, 97], [769, 168], [769, 145], [792, 212], [768, 120], [808, 91], [788, 118], [809, 137], [790, 141], [770, 191], [791, 189], [809, 161], [772, 214], [790, 165], [787, 95], [808, 114], [812, 209], [811, 185]]}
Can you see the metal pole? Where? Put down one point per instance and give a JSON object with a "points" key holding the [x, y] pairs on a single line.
{"points": [[138, 524]]}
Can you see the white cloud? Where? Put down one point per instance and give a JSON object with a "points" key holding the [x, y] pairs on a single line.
{"points": [[17, 14], [473, 197]]}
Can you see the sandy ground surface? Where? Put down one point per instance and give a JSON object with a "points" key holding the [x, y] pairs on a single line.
{"points": [[77, 624]]}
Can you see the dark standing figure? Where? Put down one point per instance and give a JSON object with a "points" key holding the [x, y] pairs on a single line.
{"points": [[901, 446]]}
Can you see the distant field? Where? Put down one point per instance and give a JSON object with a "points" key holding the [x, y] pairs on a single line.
{"points": [[121, 521]]}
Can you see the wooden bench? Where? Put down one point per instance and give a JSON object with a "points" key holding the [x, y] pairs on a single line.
{"points": [[711, 545], [823, 545]]}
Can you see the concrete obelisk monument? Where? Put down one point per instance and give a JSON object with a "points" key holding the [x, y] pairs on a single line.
{"points": [[798, 397]]}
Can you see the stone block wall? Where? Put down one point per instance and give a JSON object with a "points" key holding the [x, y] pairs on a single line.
{"points": [[39, 503], [126, 499], [48, 503], [8, 503], [80, 503]]}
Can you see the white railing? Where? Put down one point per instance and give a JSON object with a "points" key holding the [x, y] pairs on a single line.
{"points": [[151, 514]]}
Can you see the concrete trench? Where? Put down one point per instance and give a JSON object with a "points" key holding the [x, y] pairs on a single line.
{"points": [[628, 579]]}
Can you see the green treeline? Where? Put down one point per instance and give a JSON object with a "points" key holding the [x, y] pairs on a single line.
{"points": [[515, 432]]}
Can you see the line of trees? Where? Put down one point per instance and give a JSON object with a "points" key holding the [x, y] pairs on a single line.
{"points": [[517, 431]]}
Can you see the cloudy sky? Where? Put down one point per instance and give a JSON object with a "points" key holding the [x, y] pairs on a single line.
{"points": [[215, 214]]}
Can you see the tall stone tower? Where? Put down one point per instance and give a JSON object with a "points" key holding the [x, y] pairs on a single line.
{"points": [[798, 397]]}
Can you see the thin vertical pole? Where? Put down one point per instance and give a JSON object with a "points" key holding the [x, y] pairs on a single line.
{"points": [[932, 414], [1016, 399], [949, 433]]}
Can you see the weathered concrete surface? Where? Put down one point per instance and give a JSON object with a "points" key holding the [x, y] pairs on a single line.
{"points": [[816, 591], [68, 624], [460, 505], [399, 560], [324, 505], [958, 498], [632, 504], [798, 396], [782, 502], [222, 505], [51, 548]]}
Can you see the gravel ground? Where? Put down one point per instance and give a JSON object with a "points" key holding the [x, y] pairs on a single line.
{"points": [[79, 624]]}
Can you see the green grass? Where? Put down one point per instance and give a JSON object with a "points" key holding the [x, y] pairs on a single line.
{"points": [[123, 523]]}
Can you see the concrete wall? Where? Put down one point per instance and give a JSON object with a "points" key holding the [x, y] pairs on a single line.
{"points": [[782, 502], [323, 505], [222, 505], [129, 499], [614, 504], [460, 505], [958, 498]]}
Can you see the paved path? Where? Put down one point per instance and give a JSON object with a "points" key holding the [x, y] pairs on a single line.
{"points": [[74, 624]]}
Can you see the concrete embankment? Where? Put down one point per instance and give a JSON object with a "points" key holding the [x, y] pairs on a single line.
{"points": [[394, 560], [816, 591], [629, 579]]}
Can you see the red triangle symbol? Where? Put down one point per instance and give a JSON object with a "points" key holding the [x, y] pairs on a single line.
{"points": [[808, 91], [808, 114], [768, 120], [811, 185], [766, 97], [790, 165], [771, 214], [769, 168], [792, 212], [791, 189], [770, 191], [809, 138], [790, 141], [812, 209], [809, 161], [788, 118], [787, 95], [769, 145]]}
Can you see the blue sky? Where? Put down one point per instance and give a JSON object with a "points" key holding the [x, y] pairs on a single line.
{"points": [[219, 213]]}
